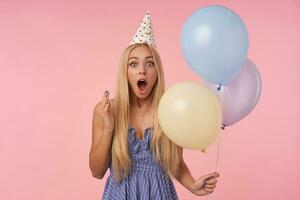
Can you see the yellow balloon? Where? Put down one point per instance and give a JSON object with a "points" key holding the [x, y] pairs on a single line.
{"points": [[190, 115]]}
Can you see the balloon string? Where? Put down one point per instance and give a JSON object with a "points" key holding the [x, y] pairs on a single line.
{"points": [[218, 151]]}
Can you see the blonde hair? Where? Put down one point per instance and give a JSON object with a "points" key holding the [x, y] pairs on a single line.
{"points": [[165, 152]]}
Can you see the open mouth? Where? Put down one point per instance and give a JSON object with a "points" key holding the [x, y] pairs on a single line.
{"points": [[142, 85]]}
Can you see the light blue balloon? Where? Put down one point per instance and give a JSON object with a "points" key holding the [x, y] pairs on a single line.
{"points": [[214, 41]]}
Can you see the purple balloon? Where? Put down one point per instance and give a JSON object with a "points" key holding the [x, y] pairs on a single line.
{"points": [[240, 95]]}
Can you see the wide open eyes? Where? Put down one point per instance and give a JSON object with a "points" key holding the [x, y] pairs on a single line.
{"points": [[134, 64]]}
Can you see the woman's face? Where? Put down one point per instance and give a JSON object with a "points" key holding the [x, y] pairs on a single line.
{"points": [[141, 71]]}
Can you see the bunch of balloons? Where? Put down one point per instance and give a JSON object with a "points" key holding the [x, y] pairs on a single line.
{"points": [[214, 42]]}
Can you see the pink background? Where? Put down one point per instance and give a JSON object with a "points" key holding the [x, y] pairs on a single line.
{"points": [[56, 59]]}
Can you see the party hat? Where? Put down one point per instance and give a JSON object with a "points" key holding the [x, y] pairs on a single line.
{"points": [[144, 33]]}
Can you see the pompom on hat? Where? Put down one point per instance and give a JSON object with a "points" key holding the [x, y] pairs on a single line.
{"points": [[144, 33]]}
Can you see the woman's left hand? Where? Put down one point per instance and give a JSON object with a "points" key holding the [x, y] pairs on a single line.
{"points": [[205, 184]]}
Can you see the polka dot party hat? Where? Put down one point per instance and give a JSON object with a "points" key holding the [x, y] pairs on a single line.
{"points": [[144, 33]]}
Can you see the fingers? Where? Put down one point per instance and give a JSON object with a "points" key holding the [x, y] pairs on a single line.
{"points": [[208, 190], [105, 98], [210, 186], [106, 106], [211, 181], [105, 95], [212, 175]]}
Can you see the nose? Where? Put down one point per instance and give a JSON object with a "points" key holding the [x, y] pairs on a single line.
{"points": [[142, 70]]}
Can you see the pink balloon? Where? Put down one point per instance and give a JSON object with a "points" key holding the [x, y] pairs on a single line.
{"points": [[240, 95]]}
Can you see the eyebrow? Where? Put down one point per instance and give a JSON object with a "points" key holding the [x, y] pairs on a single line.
{"points": [[138, 58]]}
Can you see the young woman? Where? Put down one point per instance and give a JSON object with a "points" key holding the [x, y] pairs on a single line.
{"points": [[127, 138]]}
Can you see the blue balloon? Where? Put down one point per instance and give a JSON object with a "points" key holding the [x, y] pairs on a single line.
{"points": [[214, 41]]}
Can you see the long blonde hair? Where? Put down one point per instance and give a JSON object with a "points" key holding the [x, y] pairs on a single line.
{"points": [[165, 152]]}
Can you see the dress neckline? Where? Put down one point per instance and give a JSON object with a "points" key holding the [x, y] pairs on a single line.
{"points": [[144, 134]]}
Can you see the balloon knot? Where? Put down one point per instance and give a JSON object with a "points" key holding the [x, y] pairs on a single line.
{"points": [[223, 127]]}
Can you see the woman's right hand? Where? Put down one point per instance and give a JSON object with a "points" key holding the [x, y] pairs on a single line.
{"points": [[104, 110]]}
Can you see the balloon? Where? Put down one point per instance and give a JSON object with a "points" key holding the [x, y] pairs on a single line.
{"points": [[214, 42], [240, 95], [190, 115]]}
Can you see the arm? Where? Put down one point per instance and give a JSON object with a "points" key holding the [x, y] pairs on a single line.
{"points": [[99, 156], [100, 149], [202, 186], [185, 178]]}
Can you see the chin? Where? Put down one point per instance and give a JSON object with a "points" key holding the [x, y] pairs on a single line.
{"points": [[140, 96]]}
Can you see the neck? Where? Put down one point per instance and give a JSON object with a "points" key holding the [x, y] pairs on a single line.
{"points": [[141, 105], [141, 112]]}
